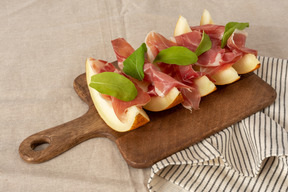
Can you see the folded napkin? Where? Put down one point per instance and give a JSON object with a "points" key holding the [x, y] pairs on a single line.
{"points": [[251, 155]]}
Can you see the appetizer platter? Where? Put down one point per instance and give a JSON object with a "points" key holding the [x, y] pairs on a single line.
{"points": [[163, 96], [163, 73]]}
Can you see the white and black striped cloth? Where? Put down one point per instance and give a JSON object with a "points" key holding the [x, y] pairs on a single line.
{"points": [[251, 155]]}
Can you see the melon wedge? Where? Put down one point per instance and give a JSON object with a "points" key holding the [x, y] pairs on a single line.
{"points": [[246, 64], [168, 101], [182, 26], [206, 18], [134, 117], [174, 97], [205, 86], [226, 76]]}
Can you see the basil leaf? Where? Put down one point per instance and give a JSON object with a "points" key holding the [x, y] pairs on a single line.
{"points": [[133, 65], [204, 45], [176, 55], [229, 29], [115, 85]]}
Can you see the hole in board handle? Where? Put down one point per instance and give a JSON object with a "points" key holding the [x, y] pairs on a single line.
{"points": [[40, 145]]}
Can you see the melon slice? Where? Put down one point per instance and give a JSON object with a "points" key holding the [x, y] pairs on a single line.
{"points": [[134, 117], [246, 64], [182, 26], [168, 101], [226, 76], [205, 86], [206, 18]]}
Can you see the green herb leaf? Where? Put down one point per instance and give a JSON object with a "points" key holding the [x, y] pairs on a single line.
{"points": [[133, 65], [115, 85], [176, 55], [204, 45], [229, 29]]}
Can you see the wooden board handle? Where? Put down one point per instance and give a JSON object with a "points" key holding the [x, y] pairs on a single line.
{"points": [[63, 137]]}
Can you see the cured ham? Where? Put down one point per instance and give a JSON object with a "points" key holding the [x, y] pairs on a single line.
{"points": [[100, 66], [185, 74], [211, 60], [189, 40], [236, 43], [214, 31], [212, 57], [217, 58], [160, 83], [119, 106], [191, 98], [122, 50], [155, 43]]}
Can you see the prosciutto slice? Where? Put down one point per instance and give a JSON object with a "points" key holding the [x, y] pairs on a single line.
{"points": [[214, 31], [189, 40], [191, 98], [217, 59], [234, 51], [100, 66], [236, 43], [160, 83], [122, 50], [155, 43], [119, 106], [212, 57]]}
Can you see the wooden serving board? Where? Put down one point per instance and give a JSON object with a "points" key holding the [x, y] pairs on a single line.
{"points": [[168, 132]]}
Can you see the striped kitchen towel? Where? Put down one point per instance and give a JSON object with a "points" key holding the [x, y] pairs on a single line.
{"points": [[251, 155]]}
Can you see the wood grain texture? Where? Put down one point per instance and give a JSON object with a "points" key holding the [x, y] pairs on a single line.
{"points": [[168, 132]]}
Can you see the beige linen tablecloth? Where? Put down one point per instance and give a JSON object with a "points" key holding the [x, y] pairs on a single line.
{"points": [[43, 48]]}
